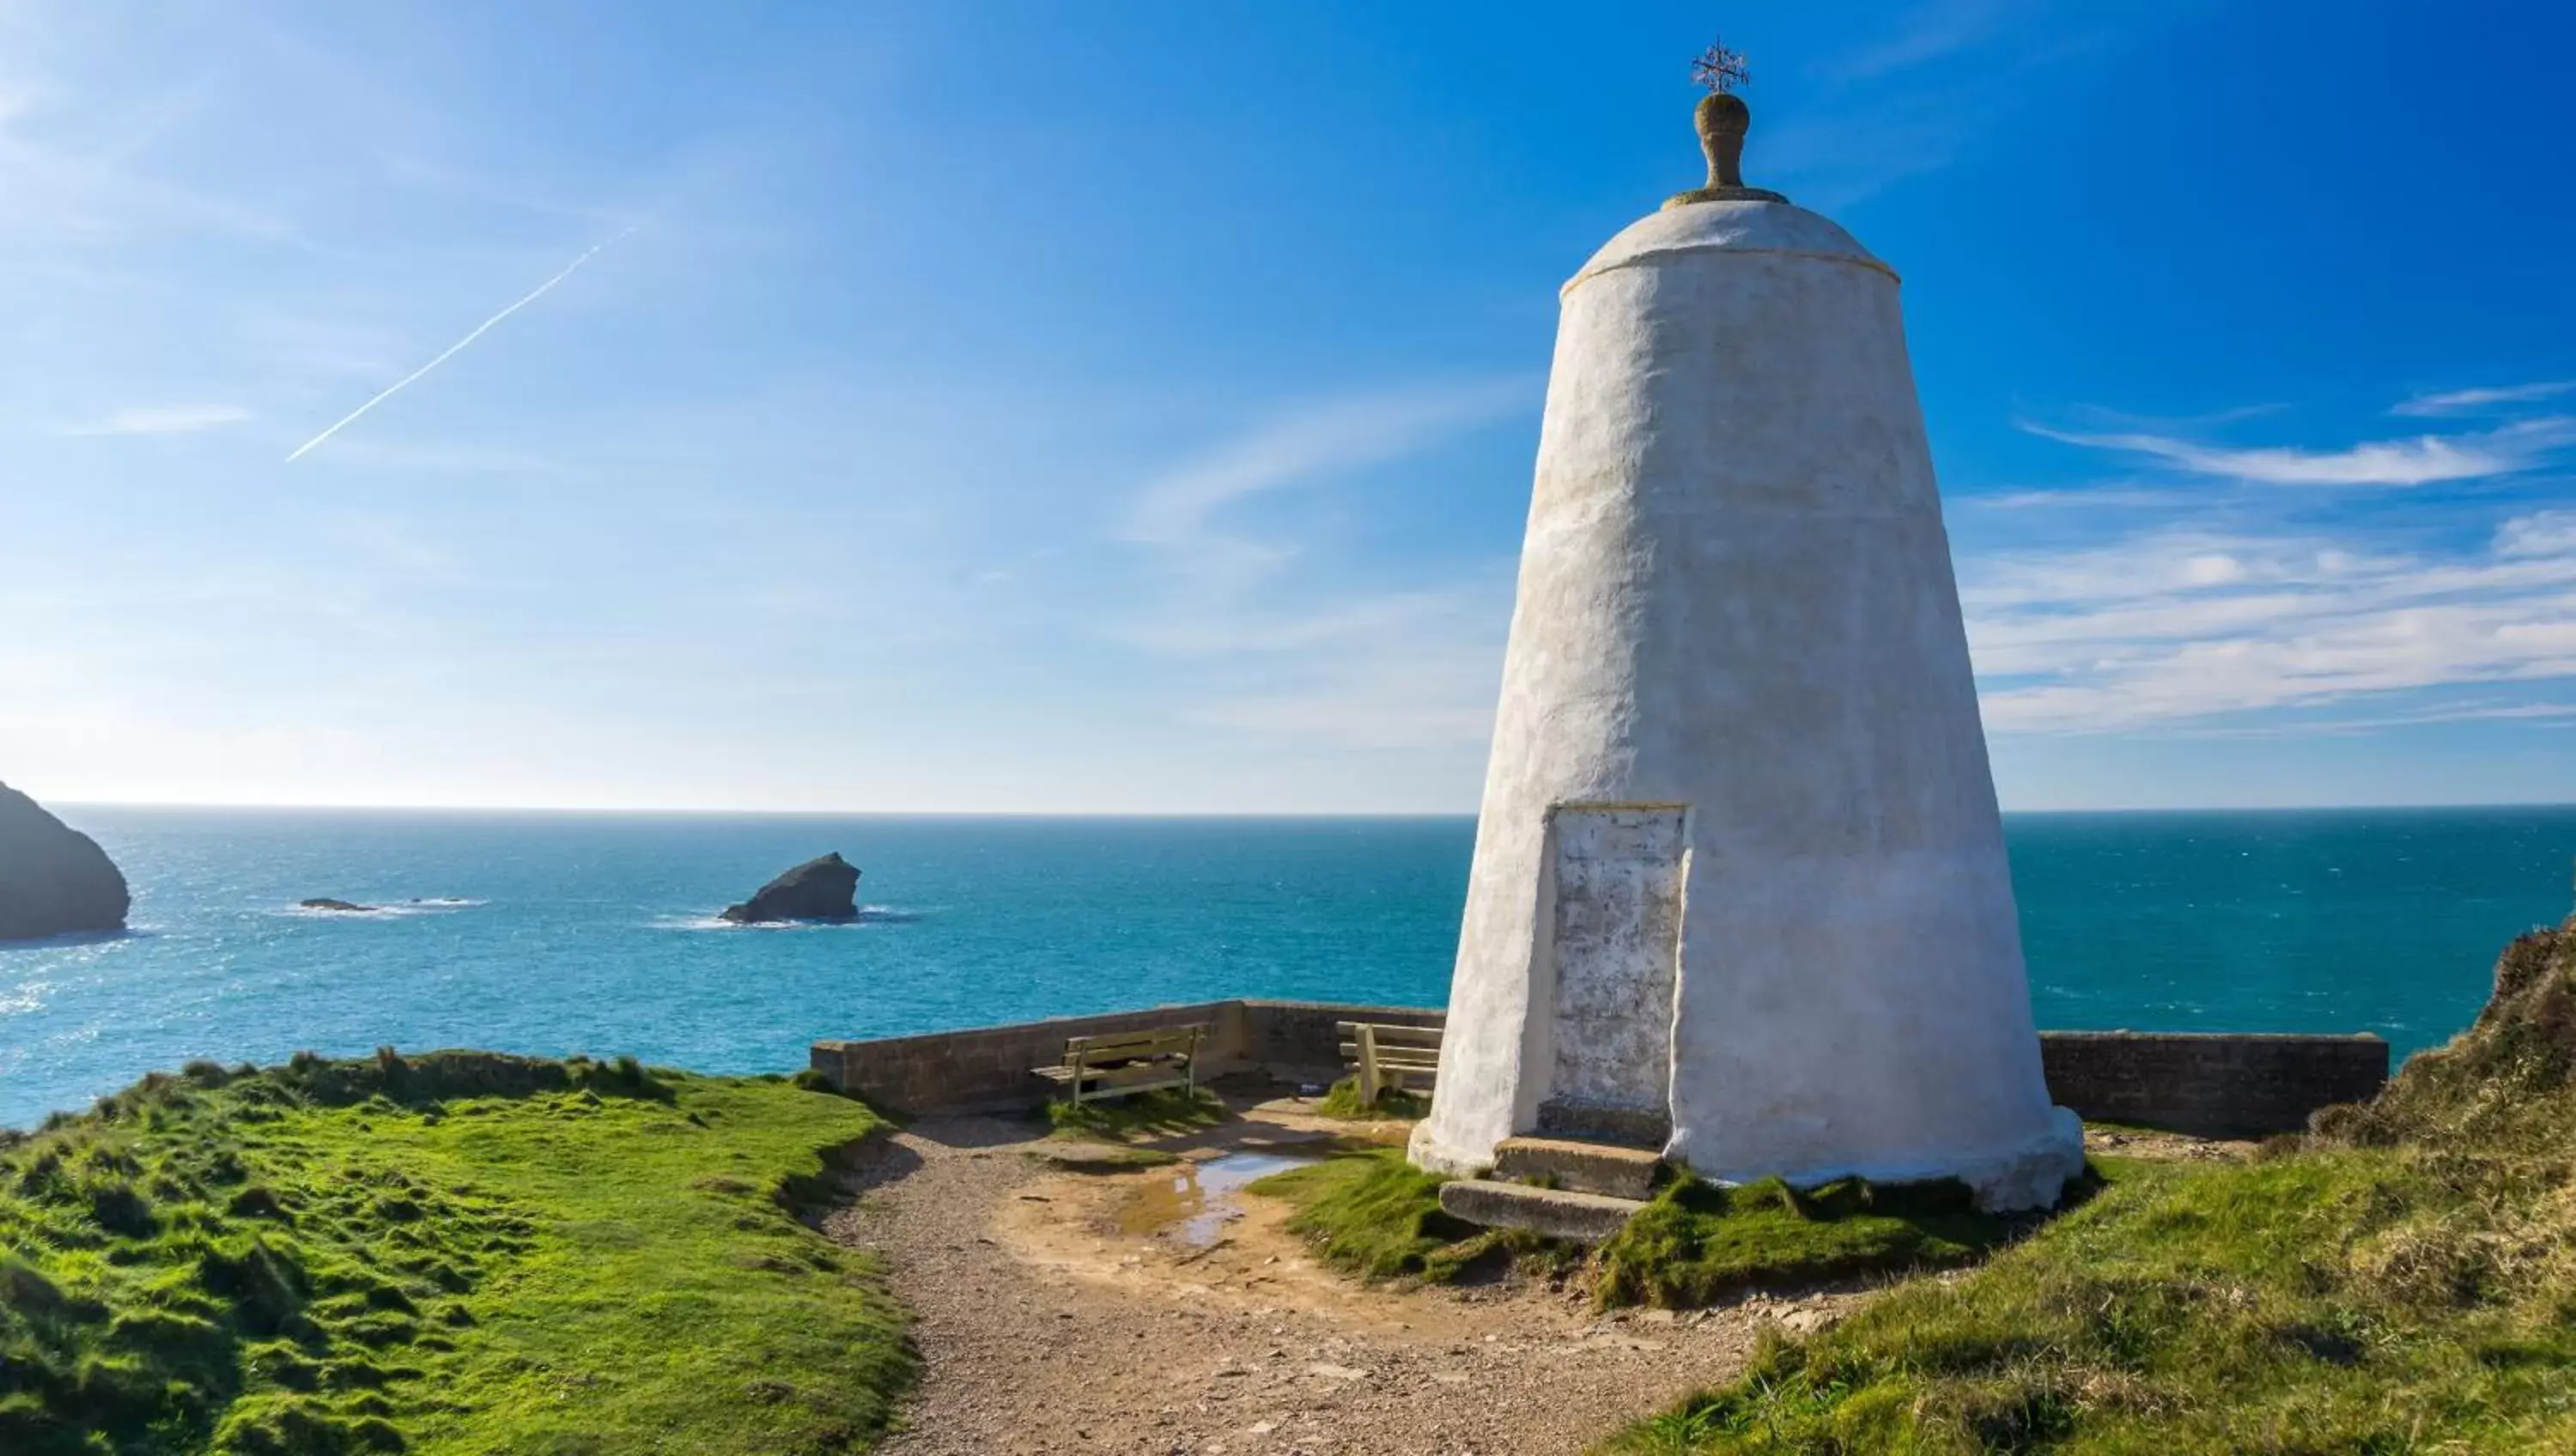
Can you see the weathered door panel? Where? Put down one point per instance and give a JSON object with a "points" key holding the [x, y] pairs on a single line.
{"points": [[1617, 951]]}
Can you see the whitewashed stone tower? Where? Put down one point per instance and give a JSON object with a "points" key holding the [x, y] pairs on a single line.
{"points": [[1739, 888]]}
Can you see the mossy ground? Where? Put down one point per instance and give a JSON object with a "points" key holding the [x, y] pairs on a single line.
{"points": [[450, 1253], [1342, 1100], [1696, 1243], [1369, 1212], [1166, 1113], [1366, 1211], [2404, 1280]]}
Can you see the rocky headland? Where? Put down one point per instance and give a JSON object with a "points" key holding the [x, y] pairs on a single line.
{"points": [[54, 880]]}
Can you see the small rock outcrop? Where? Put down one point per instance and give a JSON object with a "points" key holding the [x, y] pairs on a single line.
{"points": [[54, 880], [818, 889], [2511, 1076], [345, 907]]}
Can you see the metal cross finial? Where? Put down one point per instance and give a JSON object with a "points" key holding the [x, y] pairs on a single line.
{"points": [[1721, 70], [1722, 118]]}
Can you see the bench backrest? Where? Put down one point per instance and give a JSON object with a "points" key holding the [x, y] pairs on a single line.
{"points": [[1386, 1034], [1407, 1046], [1160, 1042]]}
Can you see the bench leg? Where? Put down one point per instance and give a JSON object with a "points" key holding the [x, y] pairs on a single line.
{"points": [[1368, 1067]]}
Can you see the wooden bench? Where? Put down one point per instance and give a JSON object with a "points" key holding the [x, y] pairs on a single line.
{"points": [[1388, 1058], [1127, 1062]]}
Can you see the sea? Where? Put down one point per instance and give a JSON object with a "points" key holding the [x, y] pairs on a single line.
{"points": [[553, 933]]}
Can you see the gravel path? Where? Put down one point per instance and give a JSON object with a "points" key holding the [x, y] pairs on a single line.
{"points": [[1051, 1320]]}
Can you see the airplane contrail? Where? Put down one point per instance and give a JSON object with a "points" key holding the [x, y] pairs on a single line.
{"points": [[451, 351]]}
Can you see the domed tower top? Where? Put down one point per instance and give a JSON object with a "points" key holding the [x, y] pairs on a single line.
{"points": [[1725, 215]]}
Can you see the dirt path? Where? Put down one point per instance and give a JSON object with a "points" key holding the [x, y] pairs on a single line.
{"points": [[1052, 1318]]}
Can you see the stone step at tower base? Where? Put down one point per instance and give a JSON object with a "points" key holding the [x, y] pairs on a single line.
{"points": [[1556, 1213], [1602, 1122], [1581, 1165]]}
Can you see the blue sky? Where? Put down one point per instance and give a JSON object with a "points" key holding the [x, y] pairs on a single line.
{"points": [[1129, 407]]}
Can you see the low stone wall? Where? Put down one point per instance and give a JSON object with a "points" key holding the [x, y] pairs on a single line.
{"points": [[987, 1069], [1301, 1041], [2218, 1084]]}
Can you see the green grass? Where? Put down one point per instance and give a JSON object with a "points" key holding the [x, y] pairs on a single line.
{"points": [[1696, 1242], [1366, 1211], [2403, 1280], [1166, 1113], [457, 1252], [1342, 1100], [1369, 1212]]}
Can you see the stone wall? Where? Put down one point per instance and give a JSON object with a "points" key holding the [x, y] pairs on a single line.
{"points": [[2194, 1083], [1300, 1041], [987, 1069], [2219, 1084]]}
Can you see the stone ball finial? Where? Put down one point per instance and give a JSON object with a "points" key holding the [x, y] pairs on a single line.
{"points": [[1723, 118]]}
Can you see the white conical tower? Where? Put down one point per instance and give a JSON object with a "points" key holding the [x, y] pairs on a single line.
{"points": [[1739, 887]]}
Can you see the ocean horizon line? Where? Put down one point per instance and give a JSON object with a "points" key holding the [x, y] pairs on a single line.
{"points": [[1186, 815]]}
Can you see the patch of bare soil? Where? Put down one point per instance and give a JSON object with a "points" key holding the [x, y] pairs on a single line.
{"points": [[1150, 1311], [2140, 1142]]}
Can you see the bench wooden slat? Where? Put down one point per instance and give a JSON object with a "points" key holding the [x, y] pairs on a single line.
{"points": [[1117, 1064], [1412, 1035], [1132, 1045], [1385, 1053]]}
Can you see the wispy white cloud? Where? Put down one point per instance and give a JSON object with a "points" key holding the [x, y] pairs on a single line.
{"points": [[2337, 724], [162, 419], [83, 174], [1933, 31], [1312, 445], [2100, 497], [2472, 401], [2170, 627], [1908, 100], [2422, 460], [2543, 533], [1284, 643]]}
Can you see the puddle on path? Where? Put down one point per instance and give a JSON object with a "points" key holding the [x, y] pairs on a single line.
{"points": [[1192, 1202]]}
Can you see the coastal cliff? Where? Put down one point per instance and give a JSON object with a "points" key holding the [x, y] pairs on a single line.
{"points": [[54, 880]]}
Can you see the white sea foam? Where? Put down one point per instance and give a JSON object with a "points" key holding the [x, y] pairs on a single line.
{"points": [[869, 915], [390, 910]]}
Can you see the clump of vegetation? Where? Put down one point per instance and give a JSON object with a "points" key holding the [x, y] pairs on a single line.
{"points": [[1342, 1100], [1165, 1113], [1696, 1242], [1371, 1213], [2402, 1279], [456, 1252]]}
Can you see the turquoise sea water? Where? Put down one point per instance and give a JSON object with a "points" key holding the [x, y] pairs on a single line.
{"points": [[554, 933]]}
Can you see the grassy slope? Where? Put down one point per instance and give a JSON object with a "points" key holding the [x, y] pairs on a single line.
{"points": [[587, 1260], [2402, 1281]]}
